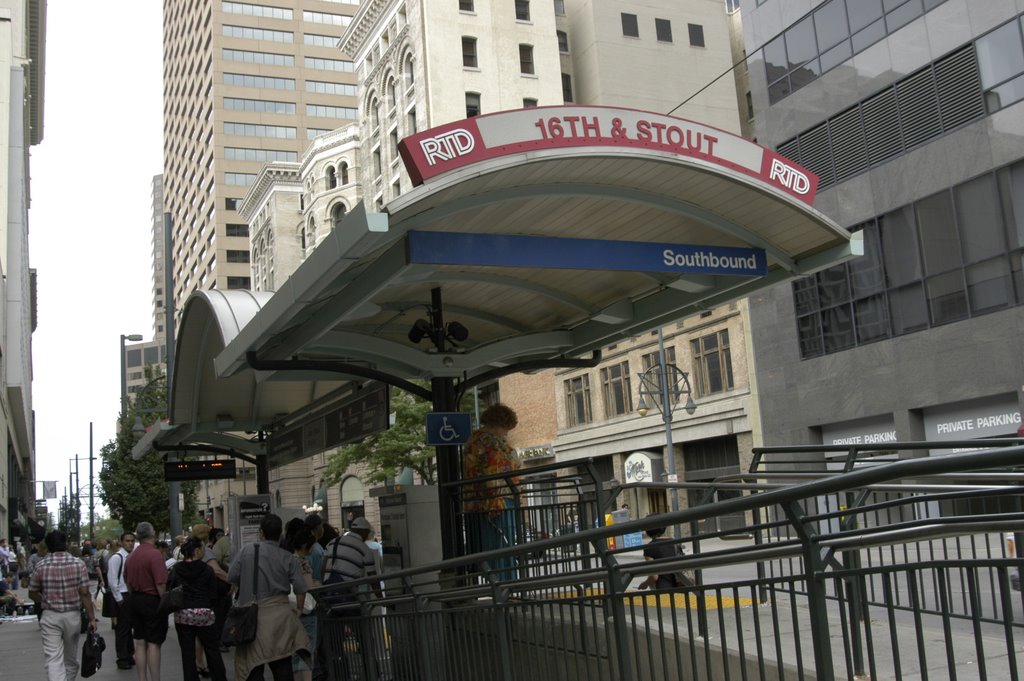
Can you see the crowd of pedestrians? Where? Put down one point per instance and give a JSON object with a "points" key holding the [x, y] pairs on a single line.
{"points": [[129, 577]]}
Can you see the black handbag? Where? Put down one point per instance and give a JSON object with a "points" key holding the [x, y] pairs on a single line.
{"points": [[240, 625], [92, 654], [171, 600]]}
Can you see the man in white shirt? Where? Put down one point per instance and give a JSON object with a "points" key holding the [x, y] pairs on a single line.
{"points": [[117, 612]]}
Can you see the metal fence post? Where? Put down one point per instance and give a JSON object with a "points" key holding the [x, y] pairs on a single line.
{"points": [[617, 616], [814, 568]]}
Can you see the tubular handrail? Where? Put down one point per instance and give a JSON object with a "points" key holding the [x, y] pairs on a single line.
{"points": [[910, 468]]}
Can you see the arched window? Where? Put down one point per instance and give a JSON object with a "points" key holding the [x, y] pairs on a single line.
{"points": [[352, 500], [337, 215], [344, 173], [270, 262], [302, 239], [311, 234], [392, 94], [408, 73], [332, 178], [374, 113]]}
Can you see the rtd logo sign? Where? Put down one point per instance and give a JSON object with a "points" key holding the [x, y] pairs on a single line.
{"points": [[448, 145], [789, 176]]}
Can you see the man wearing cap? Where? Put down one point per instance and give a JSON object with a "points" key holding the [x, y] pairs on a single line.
{"points": [[348, 558]]}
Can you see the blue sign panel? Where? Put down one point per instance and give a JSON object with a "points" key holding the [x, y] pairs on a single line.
{"points": [[448, 428], [451, 248]]}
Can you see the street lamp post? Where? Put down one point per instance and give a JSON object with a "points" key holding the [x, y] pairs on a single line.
{"points": [[663, 385], [139, 428], [134, 338]]}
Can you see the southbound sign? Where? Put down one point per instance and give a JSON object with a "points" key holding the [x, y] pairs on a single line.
{"points": [[453, 248], [456, 145]]}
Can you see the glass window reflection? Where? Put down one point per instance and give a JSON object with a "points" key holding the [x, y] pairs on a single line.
{"points": [[1000, 54], [830, 23]]}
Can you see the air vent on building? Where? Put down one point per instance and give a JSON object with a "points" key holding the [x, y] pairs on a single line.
{"points": [[919, 108], [960, 96], [847, 132], [790, 150], [882, 126], [815, 154]]}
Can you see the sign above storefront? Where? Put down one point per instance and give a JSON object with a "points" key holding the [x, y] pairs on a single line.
{"points": [[640, 467], [996, 416], [462, 143], [874, 430], [455, 248]]}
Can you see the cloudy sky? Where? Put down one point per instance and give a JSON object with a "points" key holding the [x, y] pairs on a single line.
{"points": [[89, 221]]}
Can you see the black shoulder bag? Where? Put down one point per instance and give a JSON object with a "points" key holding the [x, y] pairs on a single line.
{"points": [[240, 625]]}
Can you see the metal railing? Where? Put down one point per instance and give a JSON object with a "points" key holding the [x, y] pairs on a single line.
{"points": [[910, 577]]}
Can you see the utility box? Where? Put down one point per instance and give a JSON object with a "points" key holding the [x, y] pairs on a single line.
{"points": [[410, 525]]}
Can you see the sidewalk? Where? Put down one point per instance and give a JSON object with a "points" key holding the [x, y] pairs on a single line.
{"points": [[21, 652]]}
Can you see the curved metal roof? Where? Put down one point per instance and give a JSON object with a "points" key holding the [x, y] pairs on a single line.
{"points": [[356, 297]]}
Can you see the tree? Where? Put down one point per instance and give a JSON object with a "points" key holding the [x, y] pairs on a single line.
{"points": [[388, 452], [135, 490]]}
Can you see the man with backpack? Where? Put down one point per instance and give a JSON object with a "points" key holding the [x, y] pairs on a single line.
{"points": [[114, 605]]}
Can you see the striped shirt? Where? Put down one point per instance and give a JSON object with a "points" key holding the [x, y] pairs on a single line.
{"points": [[348, 557], [58, 577]]}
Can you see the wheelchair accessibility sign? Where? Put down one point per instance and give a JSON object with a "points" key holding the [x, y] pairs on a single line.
{"points": [[448, 428]]}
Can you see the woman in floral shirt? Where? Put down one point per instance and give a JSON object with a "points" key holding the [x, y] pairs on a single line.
{"points": [[489, 504]]}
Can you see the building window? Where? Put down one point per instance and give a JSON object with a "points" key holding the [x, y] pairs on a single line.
{"points": [[563, 41], [663, 29], [469, 59], [522, 10], [375, 113], [410, 122], [630, 26], [567, 87], [236, 229], [529, 103], [560, 8], [332, 178], [750, 107], [238, 256], [618, 399], [408, 72], [232, 204], [238, 283], [1001, 62], [696, 34], [950, 256], [465, 5], [337, 215], [651, 360], [712, 363], [377, 168], [832, 34], [392, 92], [526, 59], [577, 401], [472, 104]]}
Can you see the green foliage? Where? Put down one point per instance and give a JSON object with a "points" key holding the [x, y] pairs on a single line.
{"points": [[135, 491], [388, 452]]}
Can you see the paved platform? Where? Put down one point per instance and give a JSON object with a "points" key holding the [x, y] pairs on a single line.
{"points": [[21, 653]]}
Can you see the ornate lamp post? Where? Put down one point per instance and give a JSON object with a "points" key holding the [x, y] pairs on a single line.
{"points": [[663, 385]]}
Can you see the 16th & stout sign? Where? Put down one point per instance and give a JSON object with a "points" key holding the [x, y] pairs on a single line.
{"points": [[455, 145]]}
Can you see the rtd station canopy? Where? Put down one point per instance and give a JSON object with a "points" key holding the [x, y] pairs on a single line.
{"points": [[546, 233]]}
